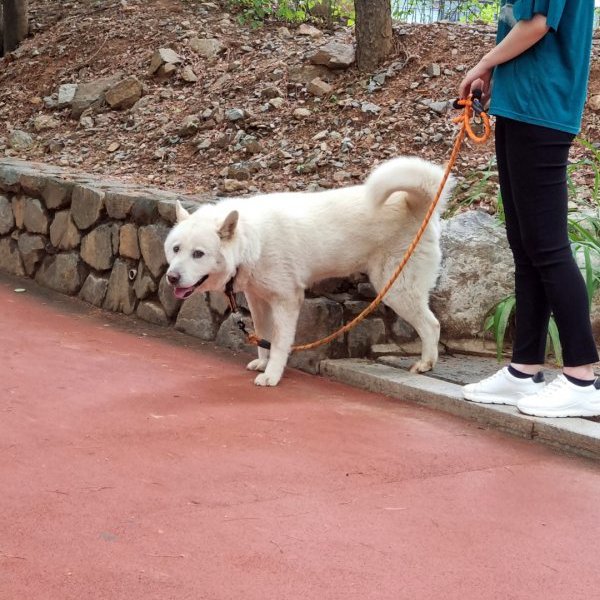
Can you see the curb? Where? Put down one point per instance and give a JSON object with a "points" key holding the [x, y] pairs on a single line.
{"points": [[574, 435]]}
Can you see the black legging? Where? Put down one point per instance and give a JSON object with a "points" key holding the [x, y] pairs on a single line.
{"points": [[532, 166]]}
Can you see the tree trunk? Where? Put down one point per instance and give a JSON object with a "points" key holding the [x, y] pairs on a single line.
{"points": [[15, 23], [373, 32]]}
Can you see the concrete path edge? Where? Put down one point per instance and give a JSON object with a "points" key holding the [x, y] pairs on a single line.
{"points": [[574, 435]]}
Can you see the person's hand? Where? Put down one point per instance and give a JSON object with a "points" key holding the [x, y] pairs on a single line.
{"points": [[479, 77]]}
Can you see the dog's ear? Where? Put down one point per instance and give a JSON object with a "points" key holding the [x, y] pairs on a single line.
{"points": [[229, 224], [180, 212]]}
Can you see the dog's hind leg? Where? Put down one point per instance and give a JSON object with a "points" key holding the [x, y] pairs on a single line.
{"points": [[263, 327], [409, 299], [416, 312], [284, 313]]}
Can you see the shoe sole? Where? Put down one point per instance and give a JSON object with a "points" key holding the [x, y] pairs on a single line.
{"points": [[490, 399], [559, 414]]}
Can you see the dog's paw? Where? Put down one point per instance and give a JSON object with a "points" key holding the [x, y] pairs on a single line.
{"points": [[265, 380], [258, 364], [421, 366]]}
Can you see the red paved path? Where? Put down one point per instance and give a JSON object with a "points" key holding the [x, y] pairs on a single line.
{"points": [[135, 467]]}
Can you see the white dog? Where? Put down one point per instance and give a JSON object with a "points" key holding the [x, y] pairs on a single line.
{"points": [[275, 246]]}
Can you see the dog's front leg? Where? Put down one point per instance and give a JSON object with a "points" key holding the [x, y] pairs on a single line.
{"points": [[285, 318], [261, 318]]}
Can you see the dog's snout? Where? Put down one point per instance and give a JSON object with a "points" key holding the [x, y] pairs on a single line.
{"points": [[173, 278]]}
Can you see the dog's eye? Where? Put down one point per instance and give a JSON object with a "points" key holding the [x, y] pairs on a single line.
{"points": [[197, 254], [175, 249]]}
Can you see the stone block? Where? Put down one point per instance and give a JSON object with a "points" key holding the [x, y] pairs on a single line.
{"points": [[124, 94], [152, 239], [57, 193], [230, 336], [143, 285], [94, 289], [195, 318], [318, 318], [120, 296], [152, 312], [32, 249], [62, 272], [170, 303], [63, 232], [10, 259], [99, 247], [10, 176], [18, 209], [35, 217], [364, 335], [118, 203], [7, 219], [87, 205], [129, 246], [32, 184], [91, 94]]}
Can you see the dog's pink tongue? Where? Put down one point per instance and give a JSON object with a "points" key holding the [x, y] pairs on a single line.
{"points": [[183, 293]]}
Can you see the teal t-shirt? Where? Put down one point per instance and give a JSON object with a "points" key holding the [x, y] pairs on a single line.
{"points": [[547, 84]]}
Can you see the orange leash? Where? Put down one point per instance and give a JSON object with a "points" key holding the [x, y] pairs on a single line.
{"points": [[471, 106]]}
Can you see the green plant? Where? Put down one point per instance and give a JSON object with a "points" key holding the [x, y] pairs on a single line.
{"points": [[256, 12]]}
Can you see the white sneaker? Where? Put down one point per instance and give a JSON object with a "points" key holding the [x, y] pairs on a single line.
{"points": [[503, 388], [561, 398]]}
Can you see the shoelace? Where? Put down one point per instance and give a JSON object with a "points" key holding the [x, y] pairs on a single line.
{"points": [[557, 384]]}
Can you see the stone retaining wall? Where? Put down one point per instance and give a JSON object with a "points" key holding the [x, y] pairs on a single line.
{"points": [[102, 241]]}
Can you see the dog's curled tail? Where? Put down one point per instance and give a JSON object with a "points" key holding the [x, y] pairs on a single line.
{"points": [[419, 178]]}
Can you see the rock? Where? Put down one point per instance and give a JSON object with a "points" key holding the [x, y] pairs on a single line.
{"points": [[91, 94], [64, 273], [231, 186], [434, 70], [7, 219], [319, 317], [152, 312], [301, 113], [120, 296], [45, 122], [170, 303], [124, 94], [94, 289], [594, 103], [35, 217], [309, 30], [99, 247], [57, 193], [163, 57], [235, 114], [370, 108], [276, 102], [66, 94], [144, 285], [129, 246], [364, 335], [32, 249], [152, 238], [20, 140], [318, 87], [165, 71], [477, 272], [334, 55], [196, 319], [207, 48], [189, 126], [306, 73], [10, 258], [270, 92], [284, 33], [230, 336], [87, 205], [63, 232], [187, 74]]}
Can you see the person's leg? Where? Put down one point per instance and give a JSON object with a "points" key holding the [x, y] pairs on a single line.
{"points": [[537, 162], [510, 384]]}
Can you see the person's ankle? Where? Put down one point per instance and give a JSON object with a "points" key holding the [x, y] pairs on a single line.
{"points": [[583, 372], [526, 369]]}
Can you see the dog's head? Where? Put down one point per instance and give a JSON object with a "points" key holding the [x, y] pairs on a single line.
{"points": [[199, 250]]}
